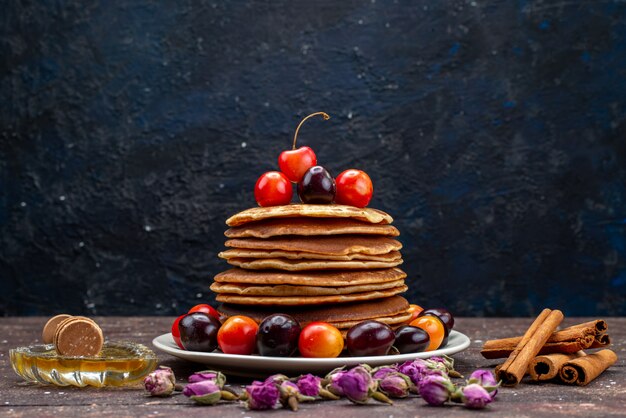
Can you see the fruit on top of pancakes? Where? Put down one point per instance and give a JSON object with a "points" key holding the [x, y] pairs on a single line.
{"points": [[317, 186], [273, 189], [295, 162], [354, 187]]}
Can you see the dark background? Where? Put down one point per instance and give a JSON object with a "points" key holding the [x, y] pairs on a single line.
{"points": [[494, 132]]}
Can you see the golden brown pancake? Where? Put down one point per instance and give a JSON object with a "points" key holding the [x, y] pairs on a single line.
{"points": [[400, 319], [293, 255], [309, 300], [369, 215], [301, 265], [316, 278], [289, 290], [309, 227], [331, 245], [356, 311]]}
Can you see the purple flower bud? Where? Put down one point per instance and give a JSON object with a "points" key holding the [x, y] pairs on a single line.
{"points": [[262, 395], [486, 379], [333, 381], [160, 382], [205, 392], [435, 389], [309, 385], [288, 388], [357, 385], [417, 370], [396, 385], [475, 396], [277, 378], [217, 377], [380, 372]]}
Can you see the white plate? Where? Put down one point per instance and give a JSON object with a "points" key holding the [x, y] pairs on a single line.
{"points": [[240, 365]]}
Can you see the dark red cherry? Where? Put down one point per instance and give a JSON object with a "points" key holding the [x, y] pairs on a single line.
{"points": [[317, 186]]}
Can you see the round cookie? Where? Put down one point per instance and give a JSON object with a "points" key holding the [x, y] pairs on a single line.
{"points": [[78, 336], [47, 335]]}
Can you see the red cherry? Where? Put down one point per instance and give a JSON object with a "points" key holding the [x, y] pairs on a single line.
{"points": [[354, 187], [273, 189], [207, 309], [176, 332], [294, 163]]}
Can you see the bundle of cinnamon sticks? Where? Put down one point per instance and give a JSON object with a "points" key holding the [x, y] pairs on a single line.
{"points": [[545, 353]]}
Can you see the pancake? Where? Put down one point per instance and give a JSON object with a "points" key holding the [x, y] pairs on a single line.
{"points": [[289, 290], [301, 265], [317, 278], [373, 216], [309, 227], [309, 300], [357, 311], [328, 245], [396, 320], [293, 255]]}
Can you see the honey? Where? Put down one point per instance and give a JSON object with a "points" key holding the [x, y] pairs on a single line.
{"points": [[118, 364]]}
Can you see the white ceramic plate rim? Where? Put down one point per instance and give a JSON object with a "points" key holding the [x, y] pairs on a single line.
{"points": [[166, 343]]}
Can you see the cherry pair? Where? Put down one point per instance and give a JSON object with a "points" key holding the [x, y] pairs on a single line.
{"points": [[315, 184]]}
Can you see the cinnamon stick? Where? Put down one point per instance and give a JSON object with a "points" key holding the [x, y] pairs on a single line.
{"points": [[501, 350], [548, 367], [601, 341], [514, 368], [568, 340], [583, 370]]}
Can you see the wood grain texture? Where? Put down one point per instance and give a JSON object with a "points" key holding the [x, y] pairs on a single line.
{"points": [[493, 132], [603, 397]]}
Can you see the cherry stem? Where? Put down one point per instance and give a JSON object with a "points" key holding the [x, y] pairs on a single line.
{"points": [[295, 136]]}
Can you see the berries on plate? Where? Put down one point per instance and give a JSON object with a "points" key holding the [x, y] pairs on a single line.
{"points": [[434, 327], [354, 187], [443, 314], [295, 162], [414, 310], [317, 186], [237, 335], [321, 340], [278, 336], [176, 332], [207, 309], [370, 338], [411, 339], [273, 189], [198, 332]]}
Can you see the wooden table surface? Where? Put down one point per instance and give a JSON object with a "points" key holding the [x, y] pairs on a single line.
{"points": [[606, 396]]}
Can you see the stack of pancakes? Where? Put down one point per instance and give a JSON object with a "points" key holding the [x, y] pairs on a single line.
{"points": [[330, 263]]}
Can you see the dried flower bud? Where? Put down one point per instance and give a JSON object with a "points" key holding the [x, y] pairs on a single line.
{"points": [[382, 371], [217, 377], [160, 382], [262, 395], [435, 389], [417, 369], [486, 379], [475, 396], [357, 385], [309, 385], [395, 385], [333, 381], [204, 392], [277, 378]]}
